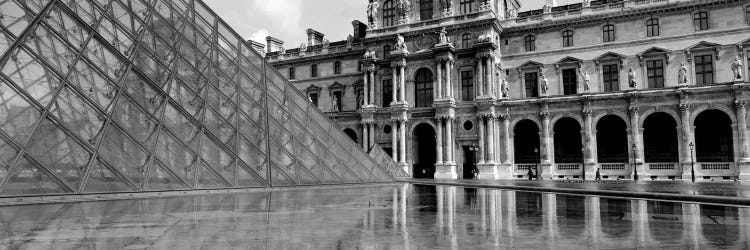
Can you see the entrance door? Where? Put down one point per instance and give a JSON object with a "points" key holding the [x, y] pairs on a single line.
{"points": [[425, 148], [468, 162]]}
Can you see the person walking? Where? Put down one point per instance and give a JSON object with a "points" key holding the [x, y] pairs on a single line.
{"points": [[531, 174], [598, 176]]}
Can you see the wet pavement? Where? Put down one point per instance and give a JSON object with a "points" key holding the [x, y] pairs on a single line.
{"points": [[376, 217]]}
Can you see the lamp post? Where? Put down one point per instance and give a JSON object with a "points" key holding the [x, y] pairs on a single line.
{"points": [[475, 171], [538, 161], [583, 161], [692, 161], [634, 164]]}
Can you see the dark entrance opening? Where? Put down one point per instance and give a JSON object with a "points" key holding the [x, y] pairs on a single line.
{"points": [[612, 140], [351, 134], [526, 142], [660, 138], [713, 137], [468, 162], [568, 146], [424, 151]]}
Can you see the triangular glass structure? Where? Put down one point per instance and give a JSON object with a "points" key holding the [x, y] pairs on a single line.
{"points": [[102, 96]]}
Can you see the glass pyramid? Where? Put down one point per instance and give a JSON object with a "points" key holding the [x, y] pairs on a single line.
{"points": [[101, 96]]}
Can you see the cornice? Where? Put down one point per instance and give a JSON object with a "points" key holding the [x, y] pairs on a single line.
{"points": [[351, 54]]}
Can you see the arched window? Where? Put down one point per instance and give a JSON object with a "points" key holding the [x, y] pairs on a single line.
{"points": [[608, 33], [700, 20], [465, 40], [423, 86], [337, 68], [314, 70], [386, 49], [467, 6], [425, 10], [389, 14], [652, 27], [529, 43], [567, 38]]}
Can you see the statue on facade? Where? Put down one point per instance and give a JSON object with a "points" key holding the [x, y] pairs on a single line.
{"points": [[326, 43], [506, 88], [512, 12], [737, 68], [631, 79], [545, 85], [349, 41], [586, 3], [586, 80], [547, 8], [372, 12], [302, 47], [404, 8], [443, 36], [401, 44], [447, 5], [682, 78], [336, 107]]}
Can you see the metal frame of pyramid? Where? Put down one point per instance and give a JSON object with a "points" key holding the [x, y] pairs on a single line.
{"points": [[102, 96]]}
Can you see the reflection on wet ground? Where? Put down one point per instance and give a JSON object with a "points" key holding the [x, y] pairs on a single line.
{"points": [[376, 217]]}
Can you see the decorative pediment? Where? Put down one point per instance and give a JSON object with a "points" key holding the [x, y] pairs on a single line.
{"points": [[568, 60], [745, 42], [654, 52], [701, 47], [742, 45], [531, 65], [336, 86], [313, 89], [610, 56]]}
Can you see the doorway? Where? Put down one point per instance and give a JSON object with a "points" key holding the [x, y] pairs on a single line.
{"points": [[425, 148], [468, 162]]}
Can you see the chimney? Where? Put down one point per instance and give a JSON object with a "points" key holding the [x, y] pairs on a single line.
{"points": [[259, 47], [360, 29], [314, 37], [273, 44]]}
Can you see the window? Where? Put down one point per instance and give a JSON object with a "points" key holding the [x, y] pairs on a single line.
{"points": [[652, 27], [314, 98], [337, 68], [465, 40], [567, 38], [747, 15], [338, 95], [389, 14], [387, 92], [655, 73], [704, 70], [423, 86], [292, 73], [700, 20], [314, 70], [529, 43], [425, 9], [359, 67], [467, 6], [608, 33], [611, 77], [467, 85], [386, 49], [531, 80], [570, 81]]}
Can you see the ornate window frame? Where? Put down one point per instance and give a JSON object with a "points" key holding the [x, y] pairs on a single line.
{"points": [[529, 67], [651, 54], [572, 36], [610, 58], [700, 49], [336, 87], [312, 89], [649, 23], [699, 27], [529, 42], [466, 40], [613, 35], [337, 68], [569, 63]]}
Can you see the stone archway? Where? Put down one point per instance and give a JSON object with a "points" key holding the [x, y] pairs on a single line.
{"points": [[424, 151], [660, 138], [526, 142], [568, 143], [713, 137], [612, 140]]}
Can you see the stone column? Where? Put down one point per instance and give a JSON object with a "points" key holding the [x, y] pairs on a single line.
{"points": [[588, 126], [439, 89], [480, 76], [491, 139], [402, 84], [448, 80], [372, 88], [365, 84], [506, 131], [394, 86], [635, 132], [742, 131], [490, 73], [481, 140], [394, 141], [449, 140], [371, 139], [440, 151], [402, 142], [498, 144], [365, 135], [686, 132], [545, 143]]}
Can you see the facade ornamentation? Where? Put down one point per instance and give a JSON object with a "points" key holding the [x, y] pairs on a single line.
{"points": [[443, 36], [512, 12], [586, 80], [401, 44], [545, 85], [737, 68], [336, 107], [372, 13], [631, 79], [682, 78], [506, 89], [547, 8], [404, 9]]}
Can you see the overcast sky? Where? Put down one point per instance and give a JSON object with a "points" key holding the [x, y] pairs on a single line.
{"points": [[288, 19]]}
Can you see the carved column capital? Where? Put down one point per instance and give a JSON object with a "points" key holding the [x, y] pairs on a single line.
{"points": [[544, 115], [739, 104], [632, 110], [684, 107], [587, 112]]}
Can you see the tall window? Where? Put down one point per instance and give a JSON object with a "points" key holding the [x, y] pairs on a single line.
{"points": [[531, 80], [314, 98], [570, 81], [747, 15], [314, 70], [423, 86], [337, 68], [467, 85], [387, 93], [386, 49], [704, 70], [465, 40], [655, 73], [700, 20], [292, 73], [608, 33], [467, 6], [425, 9], [652, 27], [529, 43], [611, 77], [389, 14], [567, 38]]}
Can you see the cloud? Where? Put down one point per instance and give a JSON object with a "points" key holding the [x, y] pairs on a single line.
{"points": [[259, 36]]}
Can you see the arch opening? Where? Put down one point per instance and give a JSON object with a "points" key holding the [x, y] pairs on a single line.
{"points": [[713, 137], [425, 147], [660, 138], [568, 145], [611, 140], [526, 142]]}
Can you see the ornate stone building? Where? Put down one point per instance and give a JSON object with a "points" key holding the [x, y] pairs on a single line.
{"points": [[622, 88]]}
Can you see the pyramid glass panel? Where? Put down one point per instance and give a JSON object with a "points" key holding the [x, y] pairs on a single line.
{"points": [[153, 96]]}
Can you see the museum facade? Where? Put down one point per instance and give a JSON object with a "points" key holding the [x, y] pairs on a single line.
{"points": [[648, 88]]}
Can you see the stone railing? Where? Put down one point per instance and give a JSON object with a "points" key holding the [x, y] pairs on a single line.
{"points": [[525, 166], [662, 166], [568, 166], [716, 165], [613, 166]]}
